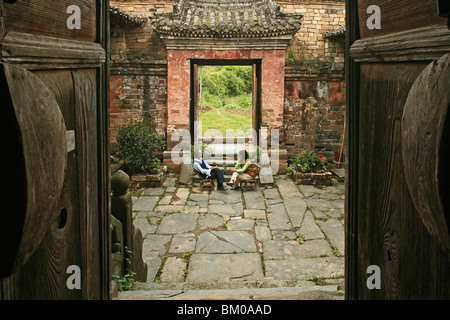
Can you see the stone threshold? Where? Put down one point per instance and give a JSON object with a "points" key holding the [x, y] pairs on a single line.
{"points": [[265, 289], [307, 292]]}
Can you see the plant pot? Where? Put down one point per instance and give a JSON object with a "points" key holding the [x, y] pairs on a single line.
{"points": [[313, 178], [149, 180], [298, 168]]}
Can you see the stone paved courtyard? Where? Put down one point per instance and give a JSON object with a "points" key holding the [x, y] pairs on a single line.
{"points": [[281, 236]]}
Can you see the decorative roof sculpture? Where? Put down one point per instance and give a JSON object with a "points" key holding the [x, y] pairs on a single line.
{"points": [[337, 33], [125, 18], [226, 19]]}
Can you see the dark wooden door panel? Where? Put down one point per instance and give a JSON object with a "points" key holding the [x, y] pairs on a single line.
{"points": [[49, 18], [391, 234], [399, 15], [73, 65], [43, 146], [384, 226], [85, 88], [44, 275]]}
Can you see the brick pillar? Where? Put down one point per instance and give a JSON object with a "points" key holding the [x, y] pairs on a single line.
{"points": [[178, 92]]}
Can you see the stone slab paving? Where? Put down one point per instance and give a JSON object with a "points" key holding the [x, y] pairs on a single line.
{"points": [[281, 235], [310, 268], [145, 203], [224, 267]]}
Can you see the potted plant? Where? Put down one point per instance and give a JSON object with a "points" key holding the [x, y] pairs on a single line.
{"points": [[311, 168], [138, 144], [309, 161]]}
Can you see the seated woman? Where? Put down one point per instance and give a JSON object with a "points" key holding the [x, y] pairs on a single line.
{"points": [[242, 170], [208, 172]]}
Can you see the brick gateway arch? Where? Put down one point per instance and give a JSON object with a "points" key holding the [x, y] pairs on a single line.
{"points": [[227, 31]]}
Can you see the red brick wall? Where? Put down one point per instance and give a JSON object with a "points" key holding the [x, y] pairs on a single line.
{"points": [[137, 96], [272, 83], [314, 113], [308, 117]]}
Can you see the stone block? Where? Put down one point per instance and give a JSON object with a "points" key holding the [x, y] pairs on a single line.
{"points": [[308, 178], [224, 267], [173, 270]]}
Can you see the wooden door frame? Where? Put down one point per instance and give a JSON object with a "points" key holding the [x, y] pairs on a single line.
{"points": [[103, 125], [256, 65], [352, 79]]}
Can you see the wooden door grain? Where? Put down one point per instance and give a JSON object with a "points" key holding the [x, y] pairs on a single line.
{"points": [[385, 225]]}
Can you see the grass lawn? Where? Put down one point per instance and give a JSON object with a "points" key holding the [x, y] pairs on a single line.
{"points": [[223, 119], [226, 99]]}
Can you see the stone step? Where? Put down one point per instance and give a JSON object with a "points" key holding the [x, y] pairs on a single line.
{"points": [[313, 292], [267, 288], [235, 284], [266, 282]]}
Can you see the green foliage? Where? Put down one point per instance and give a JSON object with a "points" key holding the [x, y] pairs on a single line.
{"points": [[138, 143], [227, 81], [126, 282], [226, 98], [291, 57], [288, 171], [308, 161]]}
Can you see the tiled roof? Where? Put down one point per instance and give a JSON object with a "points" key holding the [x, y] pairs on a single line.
{"points": [[338, 33], [226, 18], [125, 18]]}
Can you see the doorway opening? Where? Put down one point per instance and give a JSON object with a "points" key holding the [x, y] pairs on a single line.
{"points": [[225, 100]]}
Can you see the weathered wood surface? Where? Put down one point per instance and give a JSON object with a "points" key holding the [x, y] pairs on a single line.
{"points": [[85, 89], [352, 78], [73, 64], [424, 116], [43, 135], [388, 223], [37, 50], [49, 18], [44, 275], [383, 225], [399, 15], [426, 43]]}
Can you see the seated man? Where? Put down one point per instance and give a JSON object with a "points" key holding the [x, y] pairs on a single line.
{"points": [[208, 172]]}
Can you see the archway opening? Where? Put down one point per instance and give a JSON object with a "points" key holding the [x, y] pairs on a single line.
{"points": [[225, 99]]}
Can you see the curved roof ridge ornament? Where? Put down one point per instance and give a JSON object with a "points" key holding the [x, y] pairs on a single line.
{"points": [[125, 18], [268, 21]]}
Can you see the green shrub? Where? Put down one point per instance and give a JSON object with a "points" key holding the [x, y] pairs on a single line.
{"points": [[138, 143], [308, 161], [227, 80]]}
